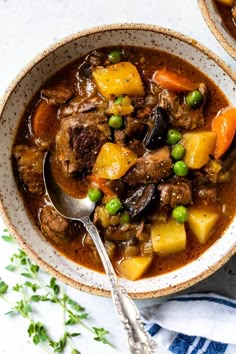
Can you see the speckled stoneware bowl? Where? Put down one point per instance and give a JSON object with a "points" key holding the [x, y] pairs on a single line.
{"points": [[12, 106], [214, 22]]}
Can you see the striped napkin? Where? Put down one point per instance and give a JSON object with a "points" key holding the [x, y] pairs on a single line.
{"points": [[193, 324]]}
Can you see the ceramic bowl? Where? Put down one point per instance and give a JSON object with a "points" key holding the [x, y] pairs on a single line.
{"points": [[12, 106], [214, 22]]}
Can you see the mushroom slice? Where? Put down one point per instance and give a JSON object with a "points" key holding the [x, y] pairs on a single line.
{"points": [[140, 200], [157, 131]]}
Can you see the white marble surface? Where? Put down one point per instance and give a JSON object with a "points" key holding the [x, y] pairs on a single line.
{"points": [[26, 28]]}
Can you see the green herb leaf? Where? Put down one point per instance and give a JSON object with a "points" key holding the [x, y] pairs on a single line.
{"points": [[36, 339], [3, 287], [42, 333], [10, 313], [35, 298], [10, 267], [17, 287], [73, 319], [26, 309], [33, 286], [34, 268], [31, 329], [75, 351], [38, 331], [46, 297], [60, 345], [54, 286], [101, 333], [23, 308], [75, 334], [7, 238], [74, 305], [27, 275]]}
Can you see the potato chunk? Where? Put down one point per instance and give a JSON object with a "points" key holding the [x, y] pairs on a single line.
{"points": [[134, 267], [118, 79], [199, 146], [168, 238], [113, 161], [202, 223]]}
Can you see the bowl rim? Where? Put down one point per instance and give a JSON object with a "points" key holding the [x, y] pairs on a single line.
{"points": [[3, 101], [221, 38]]}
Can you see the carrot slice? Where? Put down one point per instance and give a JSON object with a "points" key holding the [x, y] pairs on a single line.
{"points": [[44, 120], [224, 124], [101, 182], [173, 81]]}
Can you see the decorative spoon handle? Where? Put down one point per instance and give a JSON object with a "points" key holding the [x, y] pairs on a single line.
{"points": [[138, 339]]}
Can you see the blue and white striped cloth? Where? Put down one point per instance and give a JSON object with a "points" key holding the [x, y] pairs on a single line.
{"points": [[193, 324]]}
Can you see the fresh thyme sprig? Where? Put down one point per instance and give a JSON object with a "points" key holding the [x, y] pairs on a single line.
{"points": [[31, 289]]}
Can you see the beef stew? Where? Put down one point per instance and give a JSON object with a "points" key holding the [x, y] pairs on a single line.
{"points": [[227, 12], [140, 132]]}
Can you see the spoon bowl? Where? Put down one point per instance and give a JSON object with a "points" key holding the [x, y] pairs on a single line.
{"points": [[80, 209]]}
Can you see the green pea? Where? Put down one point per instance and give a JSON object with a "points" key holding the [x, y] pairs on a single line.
{"points": [[178, 152], [180, 214], [119, 100], [173, 136], [194, 99], [180, 168], [113, 206], [115, 121], [95, 195], [125, 218], [115, 56]]}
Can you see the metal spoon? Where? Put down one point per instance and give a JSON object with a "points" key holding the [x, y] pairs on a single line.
{"points": [[80, 209]]}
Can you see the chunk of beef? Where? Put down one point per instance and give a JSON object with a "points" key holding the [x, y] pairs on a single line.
{"points": [[119, 137], [213, 170], [135, 128], [177, 191], [79, 141], [137, 147], [123, 233], [144, 112], [203, 188], [142, 109], [159, 213], [117, 186], [30, 167], [58, 94], [181, 115], [150, 168], [82, 105], [96, 58], [55, 226], [199, 178], [138, 102], [208, 193]]}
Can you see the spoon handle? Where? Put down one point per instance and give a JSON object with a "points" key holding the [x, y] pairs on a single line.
{"points": [[139, 341]]}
